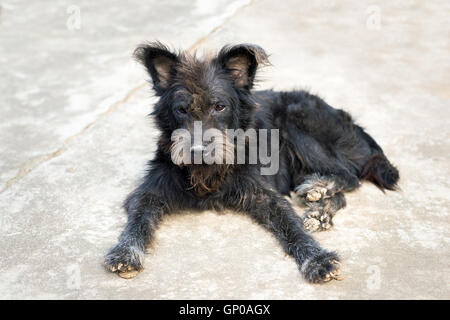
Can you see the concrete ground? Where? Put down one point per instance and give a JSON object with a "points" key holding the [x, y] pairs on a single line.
{"points": [[75, 137]]}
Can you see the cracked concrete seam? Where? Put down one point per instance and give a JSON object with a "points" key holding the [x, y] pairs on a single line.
{"points": [[35, 162]]}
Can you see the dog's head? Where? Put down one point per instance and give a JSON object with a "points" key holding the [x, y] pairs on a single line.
{"points": [[212, 92]]}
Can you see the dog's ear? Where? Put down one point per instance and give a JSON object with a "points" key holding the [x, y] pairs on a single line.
{"points": [[241, 62], [160, 64]]}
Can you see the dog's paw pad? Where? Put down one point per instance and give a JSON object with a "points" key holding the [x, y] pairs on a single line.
{"points": [[322, 268], [128, 274], [316, 221], [335, 274], [325, 226], [311, 193], [311, 224], [316, 194], [126, 261]]}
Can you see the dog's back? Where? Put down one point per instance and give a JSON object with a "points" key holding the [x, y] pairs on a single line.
{"points": [[319, 138]]}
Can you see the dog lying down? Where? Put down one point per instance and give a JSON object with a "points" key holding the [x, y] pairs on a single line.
{"points": [[213, 153]]}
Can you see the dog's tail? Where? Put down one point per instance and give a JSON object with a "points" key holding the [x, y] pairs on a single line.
{"points": [[380, 172], [378, 169]]}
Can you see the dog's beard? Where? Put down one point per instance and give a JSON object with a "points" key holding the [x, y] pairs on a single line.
{"points": [[218, 151], [216, 161], [205, 179]]}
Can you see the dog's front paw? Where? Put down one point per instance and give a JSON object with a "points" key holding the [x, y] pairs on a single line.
{"points": [[125, 260], [322, 268], [311, 193]]}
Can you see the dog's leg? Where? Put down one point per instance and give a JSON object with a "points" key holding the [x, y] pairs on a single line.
{"points": [[275, 213], [323, 195], [144, 213]]}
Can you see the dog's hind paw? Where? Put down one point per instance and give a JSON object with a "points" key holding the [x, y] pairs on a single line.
{"points": [[315, 194], [311, 193], [315, 188], [124, 260], [316, 221], [322, 268]]}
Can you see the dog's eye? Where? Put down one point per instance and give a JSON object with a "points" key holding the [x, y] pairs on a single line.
{"points": [[219, 107], [181, 110]]}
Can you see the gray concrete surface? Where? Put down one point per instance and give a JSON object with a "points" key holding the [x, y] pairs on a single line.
{"points": [[74, 140]]}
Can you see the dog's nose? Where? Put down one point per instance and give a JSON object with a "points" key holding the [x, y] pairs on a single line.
{"points": [[198, 148]]}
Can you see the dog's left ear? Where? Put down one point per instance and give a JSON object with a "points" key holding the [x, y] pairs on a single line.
{"points": [[241, 62]]}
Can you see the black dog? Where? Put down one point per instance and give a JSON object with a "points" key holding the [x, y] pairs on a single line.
{"points": [[322, 154]]}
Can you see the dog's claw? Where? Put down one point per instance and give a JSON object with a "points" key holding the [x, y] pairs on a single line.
{"points": [[336, 274], [327, 278], [110, 268], [313, 195], [124, 260], [311, 224], [325, 226], [128, 274]]}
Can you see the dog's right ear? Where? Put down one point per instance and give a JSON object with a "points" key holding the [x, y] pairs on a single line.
{"points": [[160, 64]]}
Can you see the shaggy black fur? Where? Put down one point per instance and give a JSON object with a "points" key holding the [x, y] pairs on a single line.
{"points": [[323, 154]]}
